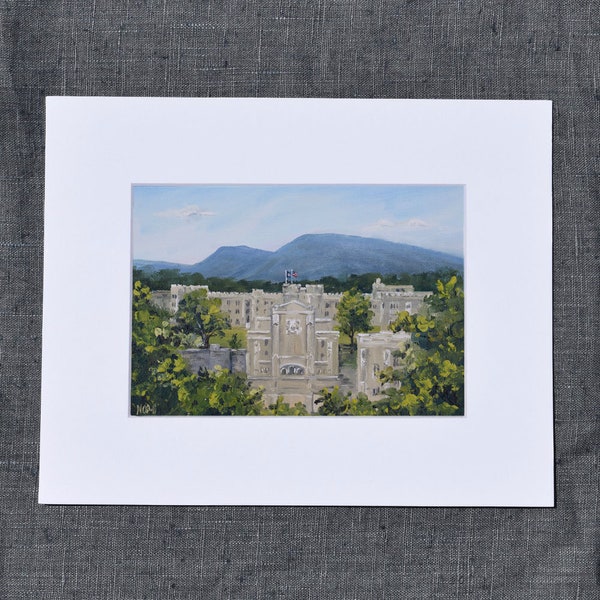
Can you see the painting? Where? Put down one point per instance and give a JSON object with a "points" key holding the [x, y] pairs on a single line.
{"points": [[297, 300], [288, 260]]}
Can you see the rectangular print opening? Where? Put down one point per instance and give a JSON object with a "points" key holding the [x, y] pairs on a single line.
{"points": [[297, 300]]}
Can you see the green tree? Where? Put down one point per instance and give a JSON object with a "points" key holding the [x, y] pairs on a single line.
{"points": [[354, 314], [155, 363], [432, 382], [161, 383], [220, 392], [200, 315], [282, 408], [334, 403], [235, 341], [363, 283]]}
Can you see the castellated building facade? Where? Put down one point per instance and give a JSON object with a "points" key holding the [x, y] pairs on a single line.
{"points": [[292, 343], [389, 300], [293, 351], [243, 307], [376, 352]]}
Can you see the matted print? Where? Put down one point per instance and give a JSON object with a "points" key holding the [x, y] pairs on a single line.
{"points": [[298, 300], [289, 260]]}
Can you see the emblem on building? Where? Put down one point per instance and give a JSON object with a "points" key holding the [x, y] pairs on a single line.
{"points": [[292, 326]]}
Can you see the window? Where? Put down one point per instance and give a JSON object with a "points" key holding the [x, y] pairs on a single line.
{"points": [[292, 370]]}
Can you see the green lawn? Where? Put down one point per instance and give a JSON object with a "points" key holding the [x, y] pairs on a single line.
{"points": [[224, 340]]}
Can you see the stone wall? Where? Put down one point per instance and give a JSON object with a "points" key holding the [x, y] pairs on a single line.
{"points": [[208, 358]]}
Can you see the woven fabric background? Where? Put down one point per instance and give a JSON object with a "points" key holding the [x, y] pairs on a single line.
{"points": [[326, 48]]}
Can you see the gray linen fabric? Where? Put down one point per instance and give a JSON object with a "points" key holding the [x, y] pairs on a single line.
{"points": [[343, 48]]}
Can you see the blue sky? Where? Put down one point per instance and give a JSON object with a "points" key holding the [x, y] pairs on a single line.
{"points": [[187, 223]]}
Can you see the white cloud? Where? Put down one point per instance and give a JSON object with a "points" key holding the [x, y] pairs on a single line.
{"points": [[397, 225], [416, 224], [187, 212]]}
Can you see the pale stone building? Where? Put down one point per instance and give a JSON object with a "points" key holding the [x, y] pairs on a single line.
{"points": [[389, 300], [242, 308], [375, 352], [292, 344], [178, 291], [293, 351]]}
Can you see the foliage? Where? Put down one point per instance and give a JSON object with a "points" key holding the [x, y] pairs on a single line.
{"points": [[220, 392], [201, 316], [335, 403], [152, 357], [162, 384], [236, 341], [433, 380], [282, 408], [354, 314], [163, 278]]}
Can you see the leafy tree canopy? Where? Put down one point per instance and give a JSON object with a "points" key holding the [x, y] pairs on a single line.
{"points": [[335, 403], [433, 380], [201, 316], [280, 407], [354, 314]]}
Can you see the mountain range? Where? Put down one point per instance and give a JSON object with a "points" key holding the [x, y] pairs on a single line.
{"points": [[314, 256]]}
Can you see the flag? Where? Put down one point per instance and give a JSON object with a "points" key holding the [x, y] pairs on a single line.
{"points": [[294, 274]]}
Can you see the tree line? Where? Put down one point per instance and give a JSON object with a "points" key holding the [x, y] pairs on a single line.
{"points": [[163, 278]]}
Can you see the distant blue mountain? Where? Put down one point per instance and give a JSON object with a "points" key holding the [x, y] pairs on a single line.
{"points": [[314, 256], [156, 265], [230, 261]]}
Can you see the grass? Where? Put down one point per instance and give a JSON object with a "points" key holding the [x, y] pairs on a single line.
{"points": [[223, 340]]}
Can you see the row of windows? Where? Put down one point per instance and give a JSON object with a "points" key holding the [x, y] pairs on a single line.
{"points": [[395, 306]]}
